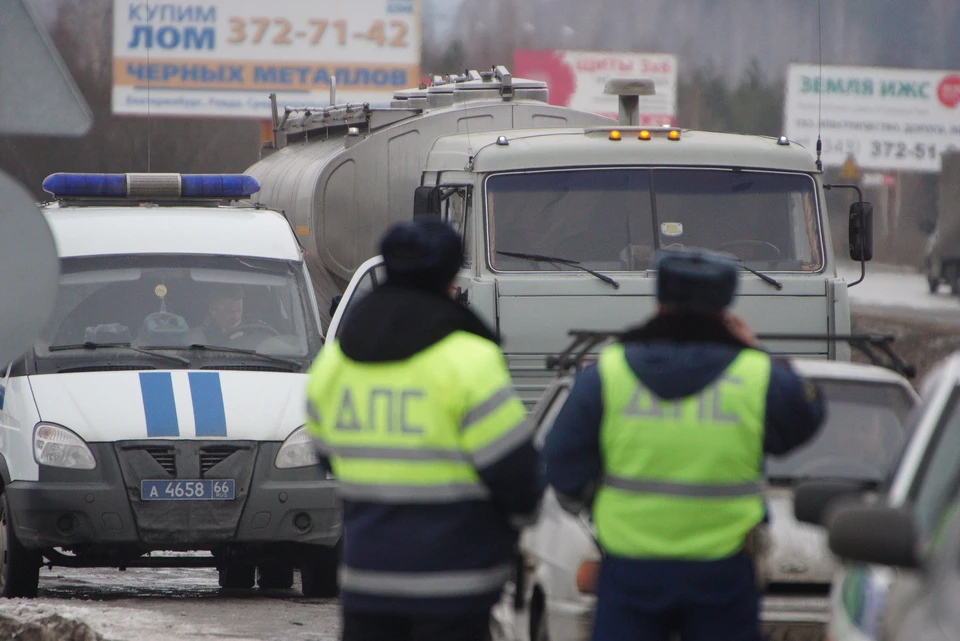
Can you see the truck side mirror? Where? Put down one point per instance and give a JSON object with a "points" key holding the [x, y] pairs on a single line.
{"points": [[927, 226], [861, 231], [426, 202]]}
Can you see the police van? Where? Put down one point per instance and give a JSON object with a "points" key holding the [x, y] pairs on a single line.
{"points": [[162, 407]]}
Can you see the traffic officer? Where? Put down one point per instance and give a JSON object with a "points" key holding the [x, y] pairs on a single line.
{"points": [[664, 439], [414, 410]]}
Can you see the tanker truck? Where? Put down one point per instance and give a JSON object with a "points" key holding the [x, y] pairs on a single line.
{"points": [[561, 212]]}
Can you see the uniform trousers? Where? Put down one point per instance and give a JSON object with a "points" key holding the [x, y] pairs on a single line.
{"points": [[655, 600], [365, 626]]}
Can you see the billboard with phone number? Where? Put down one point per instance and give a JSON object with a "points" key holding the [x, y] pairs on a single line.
{"points": [[884, 119], [223, 57]]}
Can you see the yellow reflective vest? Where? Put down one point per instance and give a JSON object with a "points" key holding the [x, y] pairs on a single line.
{"points": [[682, 477]]}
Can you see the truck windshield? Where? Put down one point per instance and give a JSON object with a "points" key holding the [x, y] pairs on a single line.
{"points": [[616, 219], [167, 303]]}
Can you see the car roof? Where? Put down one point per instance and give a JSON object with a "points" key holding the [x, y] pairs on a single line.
{"points": [[843, 370], [149, 229], [834, 370]]}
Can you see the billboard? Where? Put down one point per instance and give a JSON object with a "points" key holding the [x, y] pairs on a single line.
{"points": [[223, 57], [885, 119], [576, 80]]}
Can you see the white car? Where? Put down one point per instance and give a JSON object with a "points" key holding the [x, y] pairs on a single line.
{"points": [[561, 555], [879, 602]]}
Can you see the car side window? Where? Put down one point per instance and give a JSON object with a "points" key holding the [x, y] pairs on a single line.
{"points": [[372, 279], [549, 415]]}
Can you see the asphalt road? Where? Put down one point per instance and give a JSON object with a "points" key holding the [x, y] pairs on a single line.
{"points": [[149, 604]]}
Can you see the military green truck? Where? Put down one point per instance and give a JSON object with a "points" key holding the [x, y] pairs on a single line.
{"points": [[561, 212]]}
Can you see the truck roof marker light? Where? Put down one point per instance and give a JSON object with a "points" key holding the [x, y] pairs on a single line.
{"points": [[783, 141], [615, 135], [502, 141], [144, 187], [673, 135], [644, 135]]}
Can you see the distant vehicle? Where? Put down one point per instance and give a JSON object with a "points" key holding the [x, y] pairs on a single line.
{"points": [[562, 212], [911, 524], [161, 407], [941, 262], [867, 408]]}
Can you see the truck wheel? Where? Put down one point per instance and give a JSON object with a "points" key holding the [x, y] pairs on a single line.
{"points": [[237, 576], [19, 567], [955, 285], [318, 573], [275, 577], [933, 284]]}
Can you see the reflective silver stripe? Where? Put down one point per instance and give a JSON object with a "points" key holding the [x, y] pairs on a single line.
{"points": [[398, 453], [425, 584], [487, 407], [383, 493], [312, 412], [705, 490], [511, 440]]}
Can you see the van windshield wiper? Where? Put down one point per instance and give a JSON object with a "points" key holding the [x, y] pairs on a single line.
{"points": [[562, 261], [770, 279], [141, 350], [246, 352]]}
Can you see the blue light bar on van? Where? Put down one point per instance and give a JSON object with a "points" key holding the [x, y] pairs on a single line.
{"points": [[151, 186]]}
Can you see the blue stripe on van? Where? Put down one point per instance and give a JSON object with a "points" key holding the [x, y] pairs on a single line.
{"points": [[159, 408], [208, 403]]}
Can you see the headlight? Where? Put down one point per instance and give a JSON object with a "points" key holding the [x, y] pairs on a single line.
{"points": [[57, 446], [297, 451]]}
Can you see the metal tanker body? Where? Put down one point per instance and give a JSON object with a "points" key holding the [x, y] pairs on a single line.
{"points": [[343, 173]]}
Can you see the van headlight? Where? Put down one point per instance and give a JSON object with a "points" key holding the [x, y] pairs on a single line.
{"points": [[57, 446], [297, 451]]}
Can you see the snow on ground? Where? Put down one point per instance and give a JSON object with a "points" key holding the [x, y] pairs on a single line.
{"points": [[887, 286]]}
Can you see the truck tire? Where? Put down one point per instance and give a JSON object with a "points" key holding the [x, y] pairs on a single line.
{"points": [[19, 567], [235, 575], [276, 576], [318, 572], [933, 284]]}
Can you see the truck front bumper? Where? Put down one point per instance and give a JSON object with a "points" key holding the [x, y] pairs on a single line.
{"points": [[74, 508]]}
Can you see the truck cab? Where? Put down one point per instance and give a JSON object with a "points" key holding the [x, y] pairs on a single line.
{"points": [[562, 226], [161, 408]]}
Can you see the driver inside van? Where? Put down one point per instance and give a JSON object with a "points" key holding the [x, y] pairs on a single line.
{"points": [[225, 315]]}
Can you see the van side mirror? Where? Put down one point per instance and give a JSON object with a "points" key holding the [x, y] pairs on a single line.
{"points": [[861, 231], [426, 202], [875, 534]]}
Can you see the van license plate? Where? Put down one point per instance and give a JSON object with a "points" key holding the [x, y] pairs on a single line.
{"points": [[188, 490]]}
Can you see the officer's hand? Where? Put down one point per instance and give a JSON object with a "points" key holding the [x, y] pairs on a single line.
{"points": [[739, 328]]}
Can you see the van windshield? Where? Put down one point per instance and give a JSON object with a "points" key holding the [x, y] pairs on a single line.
{"points": [[617, 218], [179, 305]]}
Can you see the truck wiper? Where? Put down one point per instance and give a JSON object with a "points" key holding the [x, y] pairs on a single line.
{"points": [[246, 352], [562, 261], [770, 279], [92, 345]]}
